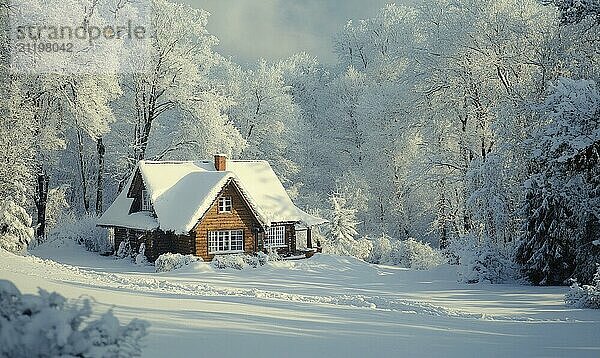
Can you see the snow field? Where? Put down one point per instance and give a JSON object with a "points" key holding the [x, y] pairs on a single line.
{"points": [[325, 306]]}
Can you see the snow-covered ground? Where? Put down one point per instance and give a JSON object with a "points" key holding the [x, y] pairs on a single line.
{"points": [[324, 307]]}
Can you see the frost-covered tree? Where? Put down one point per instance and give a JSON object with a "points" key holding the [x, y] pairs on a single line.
{"points": [[173, 106], [15, 227], [342, 226], [574, 11], [562, 200], [265, 114]]}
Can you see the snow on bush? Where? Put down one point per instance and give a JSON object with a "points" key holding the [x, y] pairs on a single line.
{"points": [[84, 232], [140, 258], [169, 262], [408, 253], [420, 256], [586, 296], [124, 250], [46, 325], [381, 250], [240, 262], [486, 264], [479, 261], [271, 255], [362, 248], [15, 227]]}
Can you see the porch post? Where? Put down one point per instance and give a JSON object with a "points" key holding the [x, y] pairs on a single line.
{"points": [[309, 238]]}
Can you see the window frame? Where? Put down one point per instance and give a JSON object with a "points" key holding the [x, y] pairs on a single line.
{"points": [[222, 204], [111, 237], [224, 241], [146, 201], [275, 237]]}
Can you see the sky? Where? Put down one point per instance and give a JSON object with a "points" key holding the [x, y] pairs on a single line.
{"points": [[275, 29]]}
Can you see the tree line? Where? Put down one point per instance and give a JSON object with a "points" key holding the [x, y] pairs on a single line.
{"points": [[460, 123]]}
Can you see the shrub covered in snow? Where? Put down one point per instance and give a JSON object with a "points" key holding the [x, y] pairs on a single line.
{"points": [[140, 258], [124, 250], [481, 262], [15, 227], [486, 264], [419, 256], [362, 248], [271, 255], [46, 325], [239, 262], [586, 296], [83, 231], [381, 250], [169, 262], [408, 253]]}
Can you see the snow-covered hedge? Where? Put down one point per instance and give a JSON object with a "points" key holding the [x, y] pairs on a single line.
{"points": [[169, 262], [481, 262], [420, 256], [85, 232], [240, 262], [586, 296], [46, 325], [408, 253], [15, 227], [486, 264]]}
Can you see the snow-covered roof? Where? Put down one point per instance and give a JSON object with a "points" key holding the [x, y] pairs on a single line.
{"points": [[182, 191], [118, 213]]}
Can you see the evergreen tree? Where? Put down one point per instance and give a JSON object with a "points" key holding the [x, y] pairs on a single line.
{"points": [[546, 253], [562, 196], [342, 226], [15, 227]]}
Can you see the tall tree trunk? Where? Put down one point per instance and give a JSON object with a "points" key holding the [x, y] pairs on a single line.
{"points": [[443, 238], [41, 199], [100, 180], [84, 184]]}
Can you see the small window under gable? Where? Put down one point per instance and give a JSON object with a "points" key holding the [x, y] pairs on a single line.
{"points": [[225, 204], [146, 202]]}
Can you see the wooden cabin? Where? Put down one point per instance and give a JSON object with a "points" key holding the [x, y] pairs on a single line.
{"points": [[207, 208]]}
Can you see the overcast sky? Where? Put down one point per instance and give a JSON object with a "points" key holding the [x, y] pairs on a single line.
{"points": [[275, 29]]}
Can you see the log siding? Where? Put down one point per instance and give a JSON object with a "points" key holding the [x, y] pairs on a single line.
{"points": [[240, 218]]}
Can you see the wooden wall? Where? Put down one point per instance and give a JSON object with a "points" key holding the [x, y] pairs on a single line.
{"points": [[157, 242], [240, 218]]}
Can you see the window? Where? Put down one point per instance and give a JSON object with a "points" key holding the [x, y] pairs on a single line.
{"points": [[275, 236], [225, 204], [227, 241], [146, 203], [111, 237]]}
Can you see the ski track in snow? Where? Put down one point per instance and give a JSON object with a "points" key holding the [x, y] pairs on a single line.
{"points": [[64, 272]]}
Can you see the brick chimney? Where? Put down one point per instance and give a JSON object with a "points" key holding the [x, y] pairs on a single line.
{"points": [[220, 162]]}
